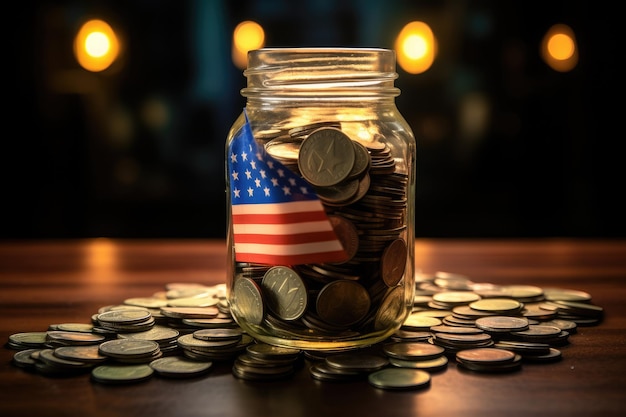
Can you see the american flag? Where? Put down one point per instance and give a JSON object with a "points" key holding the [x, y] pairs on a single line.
{"points": [[276, 216]]}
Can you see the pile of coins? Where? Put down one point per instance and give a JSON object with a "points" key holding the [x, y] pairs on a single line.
{"points": [[365, 198], [478, 326]]}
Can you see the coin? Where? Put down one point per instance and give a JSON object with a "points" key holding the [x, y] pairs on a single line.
{"points": [[28, 339], [360, 362], [454, 298], [412, 350], [285, 292], [24, 358], [126, 316], [326, 157], [497, 324], [485, 355], [190, 312], [89, 354], [218, 334], [121, 374], [497, 305], [321, 371], [343, 302], [420, 322], [399, 378], [180, 367], [267, 351], [128, 348], [430, 365], [74, 338], [391, 309], [159, 333], [249, 300], [393, 262]]}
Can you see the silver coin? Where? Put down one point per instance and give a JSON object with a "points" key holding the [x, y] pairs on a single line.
{"points": [[391, 309], [267, 351], [180, 367], [502, 323], [399, 378], [74, 338], [190, 312], [248, 300], [89, 354], [29, 339], [485, 355], [285, 292], [361, 362], [412, 350], [326, 157], [158, 333], [126, 316], [429, 365], [497, 305], [24, 358], [218, 334], [125, 348], [121, 374]]}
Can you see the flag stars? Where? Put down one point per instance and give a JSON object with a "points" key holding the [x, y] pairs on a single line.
{"points": [[250, 192], [286, 190], [257, 182], [233, 157], [244, 156], [262, 172], [253, 165], [304, 190], [266, 191], [235, 175], [248, 174], [292, 181], [281, 172], [237, 192], [274, 181]]}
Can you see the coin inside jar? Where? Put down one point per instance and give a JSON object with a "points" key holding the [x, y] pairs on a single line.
{"points": [[326, 157]]}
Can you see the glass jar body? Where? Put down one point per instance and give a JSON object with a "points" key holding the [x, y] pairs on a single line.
{"points": [[338, 271]]}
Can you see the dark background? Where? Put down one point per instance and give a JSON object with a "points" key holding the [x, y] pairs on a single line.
{"points": [[137, 151]]}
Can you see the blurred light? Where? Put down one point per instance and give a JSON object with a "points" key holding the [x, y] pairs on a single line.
{"points": [[96, 46], [416, 47], [247, 36], [559, 49]]}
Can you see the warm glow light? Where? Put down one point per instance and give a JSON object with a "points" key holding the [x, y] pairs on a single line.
{"points": [[96, 46], [247, 36], [416, 47], [102, 260], [559, 49]]}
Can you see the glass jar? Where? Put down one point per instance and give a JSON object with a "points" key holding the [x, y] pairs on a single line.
{"points": [[320, 183]]}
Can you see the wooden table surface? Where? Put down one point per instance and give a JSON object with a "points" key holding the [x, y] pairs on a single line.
{"points": [[43, 283]]}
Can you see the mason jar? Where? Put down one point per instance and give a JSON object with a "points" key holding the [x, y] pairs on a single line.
{"points": [[320, 185]]}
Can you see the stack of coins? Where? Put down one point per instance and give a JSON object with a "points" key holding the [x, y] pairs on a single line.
{"points": [[262, 362], [497, 333]]}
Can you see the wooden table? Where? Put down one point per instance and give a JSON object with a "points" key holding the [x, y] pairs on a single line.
{"points": [[43, 283]]}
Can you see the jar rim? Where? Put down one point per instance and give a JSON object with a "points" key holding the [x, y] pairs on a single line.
{"points": [[304, 69]]}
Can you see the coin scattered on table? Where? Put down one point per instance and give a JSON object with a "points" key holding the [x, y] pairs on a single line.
{"points": [[477, 327]]}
